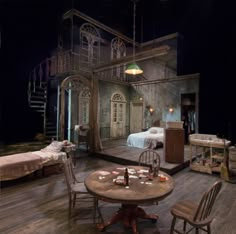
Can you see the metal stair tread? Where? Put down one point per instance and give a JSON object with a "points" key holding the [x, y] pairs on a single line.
{"points": [[39, 111], [36, 93], [37, 101], [37, 106], [50, 132], [38, 97], [40, 90]]}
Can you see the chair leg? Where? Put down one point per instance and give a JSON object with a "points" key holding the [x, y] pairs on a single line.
{"points": [[101, 220], [197, 231], [74, 199], [173, 225], [134, 226], [70, 205], [95, 207], [209, 229], [184, 228]]}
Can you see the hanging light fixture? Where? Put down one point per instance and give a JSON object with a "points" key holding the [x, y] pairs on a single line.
{"points": [[133, 68]]}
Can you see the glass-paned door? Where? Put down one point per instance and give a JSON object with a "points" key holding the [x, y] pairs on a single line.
{"points": [[118, 116]]}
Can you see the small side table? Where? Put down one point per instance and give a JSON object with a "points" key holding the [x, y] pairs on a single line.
{"points": [[70, 151]]}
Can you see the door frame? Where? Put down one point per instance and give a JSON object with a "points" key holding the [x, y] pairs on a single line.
{"points": [[132, 113], [190, 100], [117, 97]]}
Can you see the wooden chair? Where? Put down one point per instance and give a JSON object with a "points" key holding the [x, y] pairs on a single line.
{"points": [[77, 191], [148, 157], [196, 214], [83, 137]]}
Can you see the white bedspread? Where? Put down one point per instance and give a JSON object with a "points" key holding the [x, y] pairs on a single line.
{"points": [[145, 139], [50, 158]]}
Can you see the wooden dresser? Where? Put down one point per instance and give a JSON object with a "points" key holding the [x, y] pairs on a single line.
{"points": [[174, 145]]}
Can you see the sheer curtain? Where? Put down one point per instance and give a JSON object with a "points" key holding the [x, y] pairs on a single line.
{"points": [[95, 140]]}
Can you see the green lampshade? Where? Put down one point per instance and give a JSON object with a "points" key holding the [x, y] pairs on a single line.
{"points": [[133, 69]]}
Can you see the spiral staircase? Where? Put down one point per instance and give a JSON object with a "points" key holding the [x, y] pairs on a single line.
{"points": [[37, 100]]}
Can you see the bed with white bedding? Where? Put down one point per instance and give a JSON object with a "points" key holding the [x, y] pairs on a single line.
{"points": [[18, 165], [152, 138]]}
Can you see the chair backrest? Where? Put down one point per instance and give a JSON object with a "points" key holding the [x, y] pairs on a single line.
{"points": [[148, 157], [69, 173], [208, 199]]}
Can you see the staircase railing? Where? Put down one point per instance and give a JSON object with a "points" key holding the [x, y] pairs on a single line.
{"points": [[61, 62]]}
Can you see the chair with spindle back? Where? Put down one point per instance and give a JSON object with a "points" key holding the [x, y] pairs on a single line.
{"points": [[77, 190], [148, 157], [197, 215]]}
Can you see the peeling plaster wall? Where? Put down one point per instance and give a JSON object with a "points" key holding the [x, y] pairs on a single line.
{"points": [[156, 70], [163, 66], [162, 95]]}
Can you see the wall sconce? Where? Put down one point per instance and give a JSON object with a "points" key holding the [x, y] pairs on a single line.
{"points": [[171, 109], [150, 109]]}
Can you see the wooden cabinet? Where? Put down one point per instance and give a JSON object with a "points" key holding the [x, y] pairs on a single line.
{"points": [[174, 145]]}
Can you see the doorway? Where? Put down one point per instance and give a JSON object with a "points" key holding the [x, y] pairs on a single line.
{"points": [[188, 114], [136, 117], [118, 115]]}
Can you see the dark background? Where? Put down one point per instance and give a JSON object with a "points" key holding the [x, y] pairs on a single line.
{"points": [[29, 31]]}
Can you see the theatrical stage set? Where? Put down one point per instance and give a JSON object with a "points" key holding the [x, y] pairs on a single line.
{"points": [[123, 121]]}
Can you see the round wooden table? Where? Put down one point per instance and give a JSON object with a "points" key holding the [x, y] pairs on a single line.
{"points": [[141, 190]]}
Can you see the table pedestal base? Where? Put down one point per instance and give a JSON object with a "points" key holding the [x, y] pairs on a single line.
{"points": [[128, 214]]}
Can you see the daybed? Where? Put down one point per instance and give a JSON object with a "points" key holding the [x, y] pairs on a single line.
{"points": [[214, 153], [152, 138], [18, 165], [208, 140]]}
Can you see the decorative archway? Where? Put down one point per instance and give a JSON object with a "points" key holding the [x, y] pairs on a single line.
{"points": [[90, 40], [118, 50], [71, 87], [84, 100], [118, 115], [78, 84]]}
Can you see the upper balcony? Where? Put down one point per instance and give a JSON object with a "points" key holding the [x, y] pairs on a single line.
{"points": [[84, 50]]}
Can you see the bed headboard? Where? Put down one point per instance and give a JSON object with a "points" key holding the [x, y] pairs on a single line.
{"points": [[156, 123]]}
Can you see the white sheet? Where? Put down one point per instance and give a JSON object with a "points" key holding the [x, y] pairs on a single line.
{"points": [[18, 165], [145, 139], [50, 158]]}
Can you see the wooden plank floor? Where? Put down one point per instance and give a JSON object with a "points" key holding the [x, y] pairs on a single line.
{"points": [[118, 151], [40, 205]]}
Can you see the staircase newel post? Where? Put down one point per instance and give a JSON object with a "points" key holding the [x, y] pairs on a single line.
{"points": [[45, 112]]}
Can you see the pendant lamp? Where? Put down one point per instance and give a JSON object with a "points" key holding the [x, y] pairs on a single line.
{"points": [[133, 68]]}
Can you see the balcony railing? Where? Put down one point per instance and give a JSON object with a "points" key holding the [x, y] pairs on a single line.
{"points": [[66, 62], [61, 62]]}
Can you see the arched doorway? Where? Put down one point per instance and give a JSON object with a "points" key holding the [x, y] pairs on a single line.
{"points": [[72, 88], [84, 103], [118, 115]]}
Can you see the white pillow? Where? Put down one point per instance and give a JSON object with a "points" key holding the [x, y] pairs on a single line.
{"points": [[153, 130], [55, 146]]}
